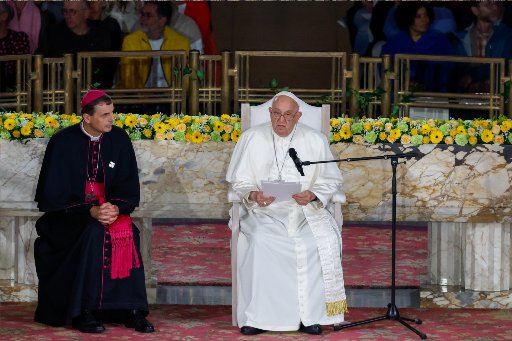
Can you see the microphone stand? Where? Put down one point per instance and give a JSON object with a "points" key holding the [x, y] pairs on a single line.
{"points": [[392, 312]]}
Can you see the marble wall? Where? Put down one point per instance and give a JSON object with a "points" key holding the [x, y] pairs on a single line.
{"points": [[445, 185]]}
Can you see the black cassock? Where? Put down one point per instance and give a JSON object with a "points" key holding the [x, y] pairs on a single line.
{"points": [[72, 251]]}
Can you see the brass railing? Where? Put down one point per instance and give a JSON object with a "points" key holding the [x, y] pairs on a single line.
{"points": [[219, 83], [485, 100], [132, 91], [15, 82], [283, 66]]}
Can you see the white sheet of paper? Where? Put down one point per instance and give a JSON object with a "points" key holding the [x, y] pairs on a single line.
{"points": [[282, 191]]}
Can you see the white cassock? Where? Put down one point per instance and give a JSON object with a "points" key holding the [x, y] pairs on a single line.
{"points": [[289, 256]]}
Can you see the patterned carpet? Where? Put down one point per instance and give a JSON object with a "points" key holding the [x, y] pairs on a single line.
{"points": [[199, 255], [193, 323]]}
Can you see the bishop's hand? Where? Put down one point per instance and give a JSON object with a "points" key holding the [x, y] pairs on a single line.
{"points": [[106, 213]]}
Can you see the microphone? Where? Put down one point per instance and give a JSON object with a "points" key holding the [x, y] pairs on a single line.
{"points": [[296, 160]]}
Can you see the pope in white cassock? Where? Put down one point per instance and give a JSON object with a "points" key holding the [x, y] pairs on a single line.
{"points": [[289, 252]]}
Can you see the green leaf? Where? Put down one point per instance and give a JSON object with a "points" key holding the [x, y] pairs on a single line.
{"points": [[187, 70], [273, 83], [200, 74]]}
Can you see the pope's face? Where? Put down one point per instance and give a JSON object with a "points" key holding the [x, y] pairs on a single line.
{"points": [[284, 115], [101, 121]]}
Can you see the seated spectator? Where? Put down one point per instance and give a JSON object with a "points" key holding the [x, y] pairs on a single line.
{"points": [[75, 34], [487, 36], [11, 42], [98, 17], [27, 18], [416, 37], [154, 35]]}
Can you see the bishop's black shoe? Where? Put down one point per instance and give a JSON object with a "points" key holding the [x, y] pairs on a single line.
{"points": [[137, 320], [314, 329], [87, 323], [246, 330]]}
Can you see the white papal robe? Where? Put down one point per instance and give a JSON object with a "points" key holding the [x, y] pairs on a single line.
{"points": [[289, 256]]}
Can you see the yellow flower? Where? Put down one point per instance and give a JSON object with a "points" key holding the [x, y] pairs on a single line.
{"points": [[436, 136], [54, 124], [235, 135], [159, 136], [173, 122], [218, 126], [391, 139], [9, 124], [147, 132], [345, 134], [460, 130], [206, 129], [431, 122], [49, 121], [225, 117], [425, 129], [487, 136], [186, 119], [473, 140], [25, 131], [187, 137], [426, 140], [118, 123], [226, 137], [206, 137], [76, 119], [367, 126], [395, 133], [196, 137], [382, 136], [29, 116], [38, 133], [336, 137], [160, 127], [388, 126], [453, 132], [335, 122], [169, 135], [499, 139], [405, 139], [346, 126], [506, 126], [16, 134], [130, 121], [496, 129], [181, 127], [448, 140], [156, 116], [471, 131], [414, 131]]}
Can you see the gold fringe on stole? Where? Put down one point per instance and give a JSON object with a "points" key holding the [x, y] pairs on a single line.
{"points": [[336, 308]]}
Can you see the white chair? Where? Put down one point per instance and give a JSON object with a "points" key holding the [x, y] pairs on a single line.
{"points": [[314, 117]]}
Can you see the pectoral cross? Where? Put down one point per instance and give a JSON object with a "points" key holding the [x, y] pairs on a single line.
{"points": [[90, 196]]}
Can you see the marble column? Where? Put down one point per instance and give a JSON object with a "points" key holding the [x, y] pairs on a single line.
{"points": [[475, 256]]}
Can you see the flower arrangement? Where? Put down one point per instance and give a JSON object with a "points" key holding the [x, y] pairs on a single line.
{"points": [[418, 132], [202, 128], [195, 129]]}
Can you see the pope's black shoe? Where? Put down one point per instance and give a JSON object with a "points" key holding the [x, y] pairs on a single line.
{"points": [[137, 320], [314, 329], [246, 330], [88, 323]]}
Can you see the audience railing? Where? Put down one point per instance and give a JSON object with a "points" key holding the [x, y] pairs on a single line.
{"points": [[53, 84], [15, 82], [318, 76], [369, 83], [486, 97], [128, 89], [215, 84]]}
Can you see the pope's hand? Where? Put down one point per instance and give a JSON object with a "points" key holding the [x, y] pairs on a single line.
{"points": [[260, 198], [304, 198]]}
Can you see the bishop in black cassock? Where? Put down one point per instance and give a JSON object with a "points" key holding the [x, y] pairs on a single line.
{"points": [[87, 253]]}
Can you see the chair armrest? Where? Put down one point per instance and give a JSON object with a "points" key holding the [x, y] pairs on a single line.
{"points": [[339, 197], [233, 196]]}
